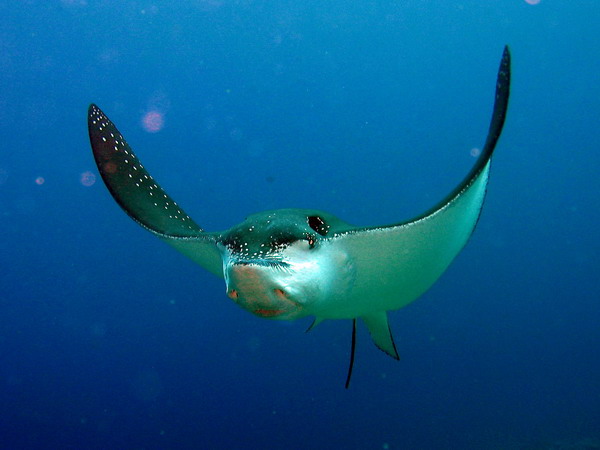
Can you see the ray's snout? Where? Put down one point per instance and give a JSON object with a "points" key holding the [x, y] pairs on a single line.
{"points": [[259, 289]]}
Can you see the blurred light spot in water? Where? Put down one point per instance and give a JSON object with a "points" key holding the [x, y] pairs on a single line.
{"points": [[39, 181], [153, 121], [87, 178], [475, 152], [533, 2]]}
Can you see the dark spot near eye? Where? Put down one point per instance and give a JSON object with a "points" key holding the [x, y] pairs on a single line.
{"points": [[283, 241], [318, 224], [233, 244]]}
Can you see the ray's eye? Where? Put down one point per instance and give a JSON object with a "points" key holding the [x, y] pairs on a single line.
{"points": [[311, 240], [318, 224]]}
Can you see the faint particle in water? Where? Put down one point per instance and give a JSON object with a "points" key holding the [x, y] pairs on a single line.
{"points": [[109, 55], [98, 330], [236, 134], [147, 386], [475, 152], [73, 3], [256, 149], [210, 124], [40, 180], [3, 176], [254, 344], [152, 10], [533, 2], [25, 204], [153, 121], [87, 178], [159, 101], [13, 380], [208, 5]]}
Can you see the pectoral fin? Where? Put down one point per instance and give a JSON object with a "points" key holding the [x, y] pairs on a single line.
{"points": [[142, 198], [378, 326]]}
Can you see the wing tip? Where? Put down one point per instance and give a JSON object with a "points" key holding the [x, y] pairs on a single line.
{"points": [[92, 108], [505, 66]]}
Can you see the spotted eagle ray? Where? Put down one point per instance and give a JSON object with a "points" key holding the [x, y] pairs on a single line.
{"points": [[291, 263]]}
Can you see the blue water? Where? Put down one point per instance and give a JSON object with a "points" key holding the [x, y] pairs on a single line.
{"points": [[366, 109]]}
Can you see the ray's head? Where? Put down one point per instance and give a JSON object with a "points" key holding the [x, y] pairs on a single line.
{"points": [[280, 264]]}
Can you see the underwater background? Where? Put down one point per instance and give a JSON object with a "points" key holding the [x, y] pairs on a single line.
{"points": [[371, 110]]}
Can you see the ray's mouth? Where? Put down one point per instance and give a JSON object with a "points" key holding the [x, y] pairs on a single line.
{"points": [[262, 263], [259, 308], [268, 312]]}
